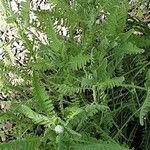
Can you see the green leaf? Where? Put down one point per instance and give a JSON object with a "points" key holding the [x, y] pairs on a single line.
{"points": [[98, 146], [25, 11], [21, 144], [41, 98], [110, 83], [132, 49], [35, 117], [145, 108], [47, 26], [79, 61]]}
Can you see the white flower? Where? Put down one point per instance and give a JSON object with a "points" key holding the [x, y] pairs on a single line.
{"points": [[59, 129]]}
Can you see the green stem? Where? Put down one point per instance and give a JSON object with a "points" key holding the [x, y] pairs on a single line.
{"points": [[125, 123], [94, 93]]}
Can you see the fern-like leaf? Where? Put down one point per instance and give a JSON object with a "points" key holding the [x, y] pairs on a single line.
{"points": [[140, 41], [110, 83], [78, 61], [25, 9], [116, 20], [21, 144], [67, 89], [82, 114], [41, 98], [145, 108], [132, 49], [35, 117], [47, 26], [98, 146]]}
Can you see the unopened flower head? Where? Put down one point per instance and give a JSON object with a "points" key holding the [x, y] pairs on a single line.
{"points": [[59, 129]]}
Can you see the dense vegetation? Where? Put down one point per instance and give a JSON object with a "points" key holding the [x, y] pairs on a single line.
{"points": [[89, 90]]}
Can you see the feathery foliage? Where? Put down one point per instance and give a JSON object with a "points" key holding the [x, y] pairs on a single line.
{"points": [[85, 85]]}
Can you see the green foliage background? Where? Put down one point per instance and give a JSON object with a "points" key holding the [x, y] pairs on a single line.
{"points": [[97, 89]]}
